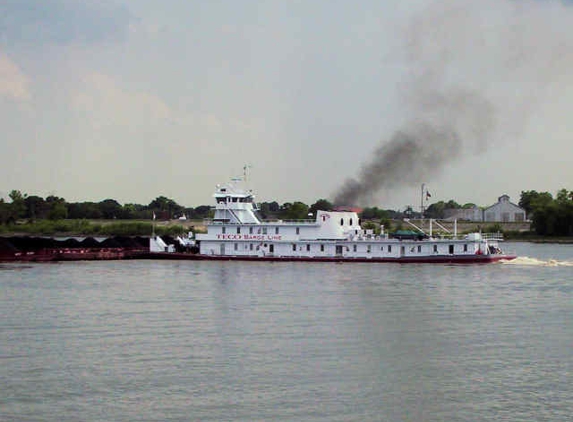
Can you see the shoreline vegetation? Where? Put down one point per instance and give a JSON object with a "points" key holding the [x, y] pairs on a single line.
{"points": [[550, 219], [519, 232]]}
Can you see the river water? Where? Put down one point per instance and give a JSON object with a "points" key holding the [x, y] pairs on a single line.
{"points": [[244, 341]]}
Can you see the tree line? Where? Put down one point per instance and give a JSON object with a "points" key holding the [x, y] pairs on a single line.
{"points": [[33, 207], [550, 216]]}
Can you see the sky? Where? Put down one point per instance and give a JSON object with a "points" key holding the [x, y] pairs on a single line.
{"points": [[132, 99]]}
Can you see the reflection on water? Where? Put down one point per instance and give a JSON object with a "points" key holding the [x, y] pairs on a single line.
{"points": [[148, 340]]}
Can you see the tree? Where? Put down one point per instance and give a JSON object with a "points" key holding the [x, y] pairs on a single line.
{"points": [[532, 199], [57, 207], [202, 211], [162, 203], [35, 207], [296, 211], [18, 205], [110, 209], [320, 205], [436, 210]]}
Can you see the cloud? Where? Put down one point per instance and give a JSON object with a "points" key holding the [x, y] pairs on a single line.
{"points": [[106, 104], [13, 83], [62, 22]]}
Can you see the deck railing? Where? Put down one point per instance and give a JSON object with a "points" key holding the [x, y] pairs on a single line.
{"points": [[263, 223]]}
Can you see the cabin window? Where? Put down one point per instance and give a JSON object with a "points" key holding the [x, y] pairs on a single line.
{"points": [[264, 230], [308, 247], [276, 230], [465, 248], [236, 246], [294, 247], [238, 230], [436, 248], [321, 248], [223, 230], [353, 248], [342, 221], [368, 249], [419, 248], [298, 230], [250, 230], [389, 248]]}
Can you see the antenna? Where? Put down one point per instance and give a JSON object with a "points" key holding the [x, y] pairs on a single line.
{"points": [[246, 168]]}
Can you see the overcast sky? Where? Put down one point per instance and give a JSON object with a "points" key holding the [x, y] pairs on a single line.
{"points": [[132, 99]]}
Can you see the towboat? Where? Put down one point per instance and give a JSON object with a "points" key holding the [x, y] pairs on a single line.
{"points": [[237, 232]]}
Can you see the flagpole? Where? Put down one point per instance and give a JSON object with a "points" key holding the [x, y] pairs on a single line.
{"points": [[422, 202]]}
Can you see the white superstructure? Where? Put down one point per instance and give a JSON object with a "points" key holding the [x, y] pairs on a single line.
{"points": [[236, 231]]}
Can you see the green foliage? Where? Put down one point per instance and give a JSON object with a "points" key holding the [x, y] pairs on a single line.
{"points": [[370, 225], [372, 213], [320, 205], [550, 217], [387, 224], [436, 210], [18, 205], [531, 199], [295, 211]]}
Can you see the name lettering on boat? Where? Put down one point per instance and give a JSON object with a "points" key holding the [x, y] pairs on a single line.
{"points": [[248, 237]]}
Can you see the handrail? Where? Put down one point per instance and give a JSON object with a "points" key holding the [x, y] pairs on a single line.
{"points": [[263, 223]]}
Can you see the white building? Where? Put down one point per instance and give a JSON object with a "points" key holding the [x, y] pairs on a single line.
{"points": [[504, 211]]}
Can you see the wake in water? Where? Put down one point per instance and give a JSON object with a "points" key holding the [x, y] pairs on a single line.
{"points": [[525, 260]]}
